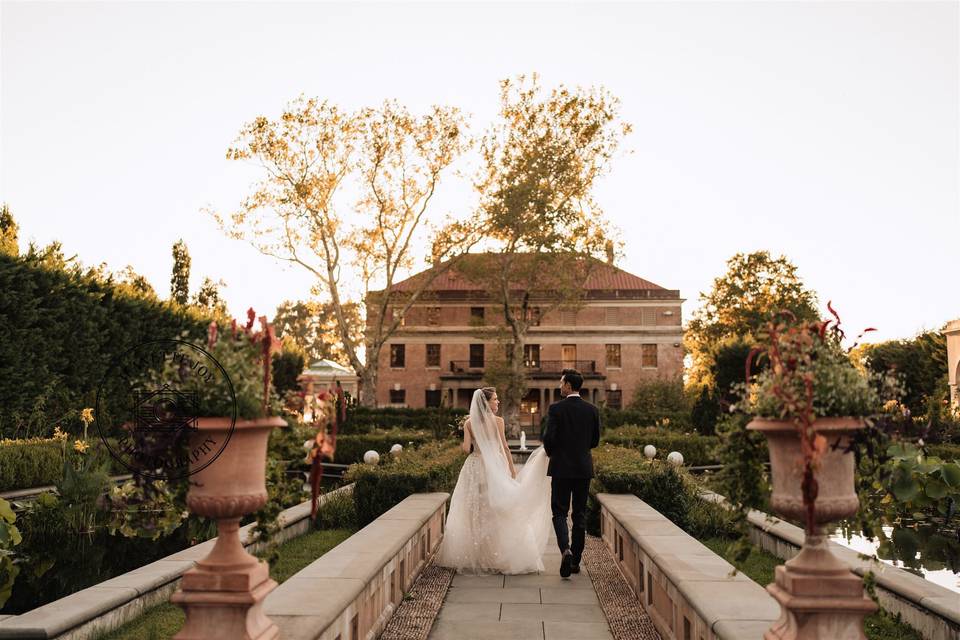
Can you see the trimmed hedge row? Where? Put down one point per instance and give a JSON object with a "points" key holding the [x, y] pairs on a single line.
{"points": [[433, 467], [668, 489], [62, 329], [366, 419], [30, 464], [696, 449], [944, 451], [352, 446], [614, 418]]}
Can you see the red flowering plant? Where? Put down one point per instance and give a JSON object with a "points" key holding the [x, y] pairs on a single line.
{"points": [[809, 376], [326, 412]]}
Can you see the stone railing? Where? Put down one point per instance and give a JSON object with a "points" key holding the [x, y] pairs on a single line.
{"points": [[110, 604], [351, 591], [684, 586], [932, 610]]}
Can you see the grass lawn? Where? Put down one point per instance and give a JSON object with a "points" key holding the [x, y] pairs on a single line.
{"points": [[759, 567], [163, 621]]}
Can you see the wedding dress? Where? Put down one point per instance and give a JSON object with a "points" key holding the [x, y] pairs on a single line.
{"points": [[496, 524]]}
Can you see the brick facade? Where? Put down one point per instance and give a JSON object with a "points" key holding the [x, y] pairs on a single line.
{"points": [[641, 321]]}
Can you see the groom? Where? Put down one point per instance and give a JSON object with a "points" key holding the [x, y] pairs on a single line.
{"points": [[573, 428]]}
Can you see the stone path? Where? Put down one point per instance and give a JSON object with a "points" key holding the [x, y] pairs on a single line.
{"points": [[536, 606]]}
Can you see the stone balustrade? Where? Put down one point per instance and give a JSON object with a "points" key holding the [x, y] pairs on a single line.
{"points": [[686, 588], [931, 609], [351, 591], [110, 604]]}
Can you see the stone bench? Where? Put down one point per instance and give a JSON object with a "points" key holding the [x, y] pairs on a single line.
{"points": [[114, 602], [351, 591], [685, 587]]}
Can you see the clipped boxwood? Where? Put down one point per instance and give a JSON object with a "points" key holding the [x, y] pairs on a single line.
{"points": [[30, 464], [696, 449], [366, 419], [944, 451], [615, 418], [433, 467], [622, 470], [352, 446]]}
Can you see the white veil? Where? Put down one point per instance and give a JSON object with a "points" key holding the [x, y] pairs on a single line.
{"points": [[521, 505]]}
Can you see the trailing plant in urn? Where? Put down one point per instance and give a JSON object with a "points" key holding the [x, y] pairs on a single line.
{"points": [[809, 402], [223, 594]]}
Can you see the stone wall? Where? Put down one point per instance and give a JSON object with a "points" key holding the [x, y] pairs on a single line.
{"points": [[351, 591], [687, 590], [932, 610], [110, 604]]}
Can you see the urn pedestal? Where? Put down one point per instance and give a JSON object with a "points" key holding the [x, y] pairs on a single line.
{"points": [[223, 594], [819, 597]]}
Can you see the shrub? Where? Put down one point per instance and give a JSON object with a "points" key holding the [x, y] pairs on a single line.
{"points": [[351, 447], [30, 463], [57, 347], [337, 512], [743, 479], [696, 449], [440, 420], [615, 418], [944, 451], [661, 485], [433, 467], [660, 396]]}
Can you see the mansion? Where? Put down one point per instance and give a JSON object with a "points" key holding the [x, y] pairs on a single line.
{"points": [[625, 330]]}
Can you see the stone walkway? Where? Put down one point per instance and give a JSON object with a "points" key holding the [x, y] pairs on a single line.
{"points": [[526, 607]]}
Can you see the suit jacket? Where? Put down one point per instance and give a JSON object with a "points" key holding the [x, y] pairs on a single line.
{"points": [[573, 428]]}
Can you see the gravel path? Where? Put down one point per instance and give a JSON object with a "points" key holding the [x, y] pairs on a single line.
{"points": [[415, 614], [625, 615]]}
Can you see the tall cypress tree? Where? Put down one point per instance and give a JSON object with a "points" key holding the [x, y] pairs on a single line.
{"points": [[180, 280], [8, 233]]}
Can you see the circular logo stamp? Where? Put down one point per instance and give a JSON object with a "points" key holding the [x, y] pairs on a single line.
{"points": [[149, 403]]}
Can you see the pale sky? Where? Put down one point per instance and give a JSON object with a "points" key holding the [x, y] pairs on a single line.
{"points": [[824, 131]]}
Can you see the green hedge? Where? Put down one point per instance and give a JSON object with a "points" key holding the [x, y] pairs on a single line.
{"points": [[352, 446], [439, 420], [62, 329], [944, 451], [622, 470], [23, 466], [433, 467], [696, 449], [668, 489], [615, 418]]}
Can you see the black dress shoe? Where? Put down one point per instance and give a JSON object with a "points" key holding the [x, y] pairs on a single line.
{"points": [[566, 564], [575, 568]]}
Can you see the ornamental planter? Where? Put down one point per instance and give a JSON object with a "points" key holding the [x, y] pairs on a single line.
{"points": [[223, 594], [819, 597]]}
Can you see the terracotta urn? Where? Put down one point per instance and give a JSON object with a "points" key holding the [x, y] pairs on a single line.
{"points": [[819, 597], [223, 594]]}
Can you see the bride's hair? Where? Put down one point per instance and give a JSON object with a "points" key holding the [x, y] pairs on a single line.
{"points": [[489, 392]]}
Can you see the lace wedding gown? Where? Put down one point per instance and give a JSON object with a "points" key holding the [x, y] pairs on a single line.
{"points": [[496, 524]]}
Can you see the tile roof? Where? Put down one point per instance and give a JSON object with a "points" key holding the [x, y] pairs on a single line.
{"points": [[605, 277]]}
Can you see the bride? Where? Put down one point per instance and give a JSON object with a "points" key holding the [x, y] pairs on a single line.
{"points": [[499, 519]]}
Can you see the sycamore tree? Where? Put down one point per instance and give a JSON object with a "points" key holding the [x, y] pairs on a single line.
{"points": [[393, 161], [754, 287], [540, 161]]}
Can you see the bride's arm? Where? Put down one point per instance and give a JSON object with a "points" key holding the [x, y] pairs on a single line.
{"points": [[466, 436], [506, 447]]}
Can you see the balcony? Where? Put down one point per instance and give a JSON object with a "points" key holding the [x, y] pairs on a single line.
{"points": [[537, 369]]}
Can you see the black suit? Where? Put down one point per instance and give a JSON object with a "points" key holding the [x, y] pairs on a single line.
{"points": [[573, 428]]}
